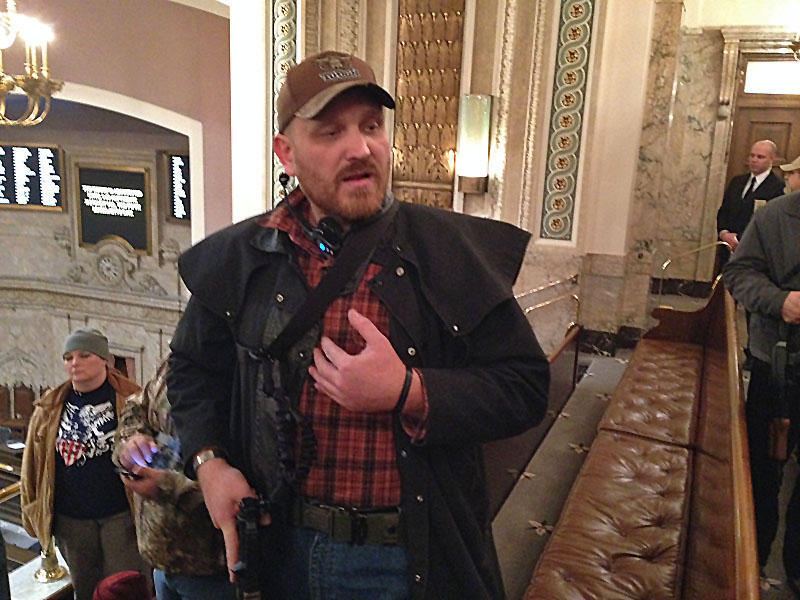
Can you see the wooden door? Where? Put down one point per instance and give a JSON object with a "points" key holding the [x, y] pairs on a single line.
{"points": [[774, 117]]}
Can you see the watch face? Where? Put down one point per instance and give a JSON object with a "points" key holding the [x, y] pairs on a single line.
{"points": [[206, 455]]}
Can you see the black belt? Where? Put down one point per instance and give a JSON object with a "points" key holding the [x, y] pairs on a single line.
{"points": [[351, 525]]}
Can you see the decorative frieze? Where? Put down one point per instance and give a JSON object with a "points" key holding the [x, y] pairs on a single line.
{"points": [[566, 119]]}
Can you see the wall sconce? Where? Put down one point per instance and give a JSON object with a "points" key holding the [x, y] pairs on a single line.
{"points": [[472, 153]]}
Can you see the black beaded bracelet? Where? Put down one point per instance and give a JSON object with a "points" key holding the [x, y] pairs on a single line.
{"points": [[401, 401]]}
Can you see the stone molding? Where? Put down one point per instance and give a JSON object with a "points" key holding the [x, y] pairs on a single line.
{"points": [[124, 307]]}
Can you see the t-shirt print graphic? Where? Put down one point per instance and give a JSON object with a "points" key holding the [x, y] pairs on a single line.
{"points": [[85, 432]]}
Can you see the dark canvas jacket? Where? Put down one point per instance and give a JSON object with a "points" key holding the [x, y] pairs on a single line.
{"points": [[764, 268], [446, 282]]}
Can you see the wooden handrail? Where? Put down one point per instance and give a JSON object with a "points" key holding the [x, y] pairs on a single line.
{"points": [[747, 583]]}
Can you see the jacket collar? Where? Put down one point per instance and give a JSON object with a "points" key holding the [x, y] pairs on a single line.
{"points": [[793, 204], [123, 387]]}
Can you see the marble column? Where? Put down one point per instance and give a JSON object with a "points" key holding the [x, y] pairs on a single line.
{"points": [[656, 148]]}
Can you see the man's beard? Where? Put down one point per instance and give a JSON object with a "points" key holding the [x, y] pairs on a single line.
{"points": [[357, 204]]}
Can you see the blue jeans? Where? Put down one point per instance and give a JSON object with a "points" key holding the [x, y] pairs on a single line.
{"points": [[191, 587], [321, 569]]}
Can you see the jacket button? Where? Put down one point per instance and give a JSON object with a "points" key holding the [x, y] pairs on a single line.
{"points": [[455, 328], [403, 454], [412, 351], [417, 578], [400, 271], [279, 298], [420, 499], [228, 314]]}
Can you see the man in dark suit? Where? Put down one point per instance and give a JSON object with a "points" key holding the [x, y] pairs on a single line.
{"points": [[744, 195], [744, 192]]}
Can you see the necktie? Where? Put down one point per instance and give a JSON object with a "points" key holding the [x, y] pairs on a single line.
{"points": [[752, 186]]}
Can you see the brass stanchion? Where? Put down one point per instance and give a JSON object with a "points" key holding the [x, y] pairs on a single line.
{"points": [[50, 569]]}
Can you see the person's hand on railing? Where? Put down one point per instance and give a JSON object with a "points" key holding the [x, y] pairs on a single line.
{"points": [[729, 238]]}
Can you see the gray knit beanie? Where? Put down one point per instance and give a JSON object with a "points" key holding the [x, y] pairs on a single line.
{"points": [[89, 340]]}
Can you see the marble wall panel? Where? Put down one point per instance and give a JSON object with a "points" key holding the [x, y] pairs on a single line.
{"points": [[656, 144], [636, 303], [600, 302], [541, 266], [33, 338], [683, 200]]}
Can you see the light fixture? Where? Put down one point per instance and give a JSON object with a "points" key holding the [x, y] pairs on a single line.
{"points": [[472, 149], [36, 82]]}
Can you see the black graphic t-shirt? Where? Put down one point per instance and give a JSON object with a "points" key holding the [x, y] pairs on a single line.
{"points": [[87, 486]]}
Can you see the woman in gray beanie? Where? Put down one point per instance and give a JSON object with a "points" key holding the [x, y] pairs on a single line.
{"points": [[70, 488]]}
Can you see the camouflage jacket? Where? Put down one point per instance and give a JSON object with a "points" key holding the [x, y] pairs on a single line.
{"points": [[174, 530]]}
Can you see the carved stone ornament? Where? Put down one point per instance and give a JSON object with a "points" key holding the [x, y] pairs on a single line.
{"points": [[150, 285], [18, 367], [114, 264], [170, 251], [111, 264], [63, 237], [78, 274], [109, 268]]}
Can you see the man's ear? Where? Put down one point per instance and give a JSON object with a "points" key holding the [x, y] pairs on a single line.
{"points": [[283, 149]]}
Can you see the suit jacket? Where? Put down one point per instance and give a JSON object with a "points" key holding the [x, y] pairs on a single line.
{"points": [[736, 212]]}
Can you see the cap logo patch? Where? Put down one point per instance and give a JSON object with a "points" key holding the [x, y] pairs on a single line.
{"points": [[333, 68]]}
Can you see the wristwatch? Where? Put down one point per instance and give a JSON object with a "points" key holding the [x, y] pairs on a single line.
{"points": [[206, 454]]}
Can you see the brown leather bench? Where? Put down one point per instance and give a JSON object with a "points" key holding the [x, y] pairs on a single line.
{"points": [[662, 507]]}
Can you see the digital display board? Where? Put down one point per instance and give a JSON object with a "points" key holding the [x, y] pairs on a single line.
{"points": [[179, 184], [30, 177], [114, 202]]}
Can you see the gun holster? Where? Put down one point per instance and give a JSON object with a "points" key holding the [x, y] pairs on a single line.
{"points": [[784, 366], [247, 569], [779, 438]]}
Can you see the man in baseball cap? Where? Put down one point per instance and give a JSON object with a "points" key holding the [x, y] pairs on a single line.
{"points": [[423, 355], [310, 85], [791, 173]]}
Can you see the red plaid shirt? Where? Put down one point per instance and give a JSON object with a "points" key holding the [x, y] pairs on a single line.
{"points": [[355, 463]]}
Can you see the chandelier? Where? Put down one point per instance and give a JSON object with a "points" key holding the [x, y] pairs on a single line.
{"points": [[35, 83], [794, 46]]}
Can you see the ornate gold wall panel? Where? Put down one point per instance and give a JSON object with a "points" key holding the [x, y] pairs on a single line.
{"points": [[429, 42]]}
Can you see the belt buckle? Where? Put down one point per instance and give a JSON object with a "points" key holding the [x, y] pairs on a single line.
{"points": [[359, 527]]}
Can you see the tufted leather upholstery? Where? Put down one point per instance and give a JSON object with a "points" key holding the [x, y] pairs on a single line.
{"points": [[661, 508], [657, 396], [620, 533]]}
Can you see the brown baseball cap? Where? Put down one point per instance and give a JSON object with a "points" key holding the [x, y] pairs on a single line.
{"points": [[792, 166], [318, 79]]}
